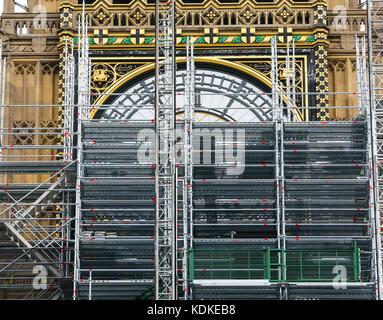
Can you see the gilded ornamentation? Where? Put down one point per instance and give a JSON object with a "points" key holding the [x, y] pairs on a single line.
{"points": [[321, 80], [211, 13], [284, 15], [138, 19], [247, 16], [138, 16], [66, 20], [320, 15], [106, 74], [100, 36], [101, 17], [100, 76]]}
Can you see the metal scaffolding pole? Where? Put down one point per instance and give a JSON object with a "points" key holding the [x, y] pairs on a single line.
{"points": [[364, 79], [364, 112], [294, 101], [165, 166], [375, 49], [3, 65], [288, 84], [274, 78], [82, 102], [68, 137], [276, 106], [188, 162], [358, 72], [69, 102], [290, 115]]}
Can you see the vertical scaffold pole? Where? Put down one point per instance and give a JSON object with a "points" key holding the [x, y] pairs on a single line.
{"points": [[274, 77], [188, 161], [280, 123], [363, 111], [165, 166], [83, 101], [375, 50], [365, 86], [68, 102], [358, 74], [2, 88], [276, 117], [288, 84]]}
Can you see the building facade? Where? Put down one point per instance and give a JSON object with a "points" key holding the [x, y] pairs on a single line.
{"points": [[232, 49]]}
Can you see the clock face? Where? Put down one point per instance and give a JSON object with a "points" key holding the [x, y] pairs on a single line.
{"points": [[220, 96]]}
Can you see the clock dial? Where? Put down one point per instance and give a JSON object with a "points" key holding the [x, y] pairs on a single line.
{"points": [[220, 96]]}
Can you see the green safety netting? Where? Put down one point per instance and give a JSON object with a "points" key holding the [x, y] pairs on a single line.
{"points": [[275, 264]]}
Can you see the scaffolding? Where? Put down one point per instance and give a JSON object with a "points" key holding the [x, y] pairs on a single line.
{"points": [[187, 185], [35, 222], [83, 114], [315, 176], [257, 205], [165, 165], [375, 49]]}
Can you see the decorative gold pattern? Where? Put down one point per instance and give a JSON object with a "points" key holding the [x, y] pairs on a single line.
{"points": [[100, 36], [211, 13], [100, 76], [101, 17], [66, 20], [321, 77], [105, 75]]}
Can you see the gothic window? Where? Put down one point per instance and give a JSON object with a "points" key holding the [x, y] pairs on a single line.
{"points": [[233, 19], [307, 19], [123, 20], [152, 20], [115, 20], [196, 19], [299, 18], [189, 19], [262, 19]]}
